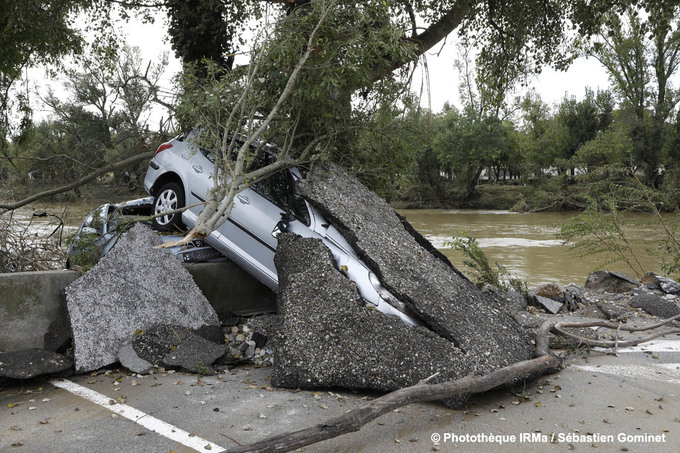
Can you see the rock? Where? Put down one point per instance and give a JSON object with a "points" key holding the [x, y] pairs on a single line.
{"points": [[134, 287], [31, 363], [195, 354], [550, 290], [177, 347], [551, 306], [127, 356], [328, 337], [654, 305], [447, 303], [611, 282], [250, 351], [656, 281], [612, 312], [260, 339], [516, 301]]}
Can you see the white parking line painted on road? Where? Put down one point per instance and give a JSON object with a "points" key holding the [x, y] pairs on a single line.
{"points": [[666, 372], [659, 345], [147, 421]]}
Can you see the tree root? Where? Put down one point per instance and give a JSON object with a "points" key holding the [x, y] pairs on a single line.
{"points": [[543, 363]]}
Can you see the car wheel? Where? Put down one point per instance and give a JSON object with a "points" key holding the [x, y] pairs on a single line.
{"points": [[169, 198]]}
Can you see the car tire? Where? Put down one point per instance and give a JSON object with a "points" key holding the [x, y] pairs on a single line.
{"points": [[170, 197]]}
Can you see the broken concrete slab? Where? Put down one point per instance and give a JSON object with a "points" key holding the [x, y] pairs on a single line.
{"points": [[611, 282], [133, 287], [654, 305], [127, 356], [328, 337], [195, 354], [177, 347], [449, 304], [656, 281], [551, 306], [33, 362]]}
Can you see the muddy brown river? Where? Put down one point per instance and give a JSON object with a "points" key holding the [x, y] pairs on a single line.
{"points": [[526, 244]]}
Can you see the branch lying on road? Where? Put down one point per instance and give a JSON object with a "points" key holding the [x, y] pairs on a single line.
{"points": [[354, 419], [84, 180]]}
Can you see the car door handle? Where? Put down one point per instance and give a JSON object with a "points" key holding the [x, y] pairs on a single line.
{"points": [[197, 168], [243, 199]]}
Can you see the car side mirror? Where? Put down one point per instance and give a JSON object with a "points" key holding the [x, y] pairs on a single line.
{"points": [[282, 226]]}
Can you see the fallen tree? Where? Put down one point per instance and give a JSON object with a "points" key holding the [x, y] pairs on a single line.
{"points": [[543, 363], [79, 182]]}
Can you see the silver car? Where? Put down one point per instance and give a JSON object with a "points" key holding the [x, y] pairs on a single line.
{"points": [[179, 175]]}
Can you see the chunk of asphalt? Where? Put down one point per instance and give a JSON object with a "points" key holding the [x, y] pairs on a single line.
{"points": [[177, 347], [478, 323], [551, 306], [328, 337], [127, 356], [195, 354], [30, 363], [655, 305], [611, 282], [134, 287]]}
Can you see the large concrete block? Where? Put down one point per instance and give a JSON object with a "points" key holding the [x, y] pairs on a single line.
{"points": [[135, 286], [29, 302], [328, 337], [476, 322]]}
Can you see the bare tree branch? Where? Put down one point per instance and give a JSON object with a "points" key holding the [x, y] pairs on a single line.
{"points": [[84, 180], [354, 419]]}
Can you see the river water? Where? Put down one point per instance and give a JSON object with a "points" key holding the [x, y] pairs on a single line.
{"points": [[525, 244]]}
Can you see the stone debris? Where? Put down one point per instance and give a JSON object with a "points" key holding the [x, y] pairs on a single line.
{"points": [[550, 305], [654, 305], [478, 323], [611, 282], [249, 341], [127, 356], [328, 337], [175, 347], [656, 281], [31, 363], [133, 287]]}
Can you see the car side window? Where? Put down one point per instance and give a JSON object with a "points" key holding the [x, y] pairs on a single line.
{"points": [[279, 188]]}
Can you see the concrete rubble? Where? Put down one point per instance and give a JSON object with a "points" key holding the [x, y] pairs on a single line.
{"points": [[134, 287], [611, 282], [450, 305], [140, 308], [32, 362], [328, 337], [654, 304]]}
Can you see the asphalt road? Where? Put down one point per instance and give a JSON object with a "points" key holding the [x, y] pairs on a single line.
{"points": [[600, 402]]}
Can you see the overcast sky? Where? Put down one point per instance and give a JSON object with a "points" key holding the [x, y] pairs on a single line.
{"points": [[443, 77]]}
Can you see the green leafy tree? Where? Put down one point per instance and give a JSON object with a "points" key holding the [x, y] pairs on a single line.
{"points": [[641, 51], [468, 143]]}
